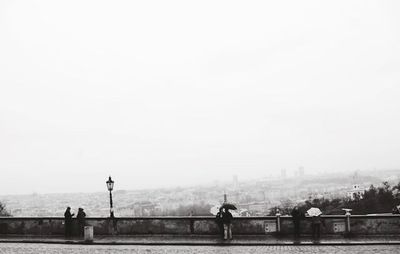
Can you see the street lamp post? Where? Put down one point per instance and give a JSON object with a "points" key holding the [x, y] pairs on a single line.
{"points": [[110, 186]]}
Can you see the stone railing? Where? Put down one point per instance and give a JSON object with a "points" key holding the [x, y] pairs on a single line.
{"points": [[334, 224]]}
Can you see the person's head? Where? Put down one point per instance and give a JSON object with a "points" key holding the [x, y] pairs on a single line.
{"points": [[226, 210], [80, 209], [220, 209], [68, 208]]}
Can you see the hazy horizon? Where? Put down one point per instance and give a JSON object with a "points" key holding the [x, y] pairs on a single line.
{"points": [[170, 93], [290, 177]]}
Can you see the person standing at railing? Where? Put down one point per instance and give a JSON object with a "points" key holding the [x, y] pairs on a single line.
{"points": [[81, 220], [219, 221], [227, 220], [316, 222], [297, 215], [68, 222]]}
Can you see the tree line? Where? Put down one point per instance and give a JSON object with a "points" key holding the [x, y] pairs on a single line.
{"points": [[381, 199]]}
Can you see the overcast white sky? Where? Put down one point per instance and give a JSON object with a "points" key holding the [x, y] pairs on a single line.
{"points": [[162, 93]]}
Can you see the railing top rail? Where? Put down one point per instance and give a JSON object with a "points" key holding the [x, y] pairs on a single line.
{"points": [[368, 216]]}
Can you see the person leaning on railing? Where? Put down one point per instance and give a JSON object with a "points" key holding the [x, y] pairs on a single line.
{"points": [[297, 216], [316, 222]]}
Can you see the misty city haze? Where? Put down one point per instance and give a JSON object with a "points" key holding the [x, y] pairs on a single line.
{"points": [[169, 93]]}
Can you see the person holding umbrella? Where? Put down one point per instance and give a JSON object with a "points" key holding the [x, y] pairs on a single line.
{"points": [[316, 222], [227, 220]]}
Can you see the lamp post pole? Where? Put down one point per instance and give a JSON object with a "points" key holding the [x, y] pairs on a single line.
{"points": [[110, 186], [111, 206]]}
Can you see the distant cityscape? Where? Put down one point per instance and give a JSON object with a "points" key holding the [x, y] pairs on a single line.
{"points": [[252, 197]]}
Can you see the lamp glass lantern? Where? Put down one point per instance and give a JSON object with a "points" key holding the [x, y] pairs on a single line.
{"points": [[110, 184]]}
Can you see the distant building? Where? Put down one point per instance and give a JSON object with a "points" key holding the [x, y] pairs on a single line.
{"points": [[355, 192]]}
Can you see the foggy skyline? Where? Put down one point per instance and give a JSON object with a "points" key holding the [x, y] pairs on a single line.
{"points": [[173, 93]]}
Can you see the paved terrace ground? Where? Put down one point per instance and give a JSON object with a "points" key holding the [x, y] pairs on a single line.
{"points": [[195, 240], [120, 249]]}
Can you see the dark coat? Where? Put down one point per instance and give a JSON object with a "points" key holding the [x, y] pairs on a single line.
{"points": [[81, 217], [317, 220], [297, 215], [68, 216], [218, 218], [227, 217]]}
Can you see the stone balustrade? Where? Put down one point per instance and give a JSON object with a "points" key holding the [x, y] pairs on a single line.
{"points": [[196, 225]]}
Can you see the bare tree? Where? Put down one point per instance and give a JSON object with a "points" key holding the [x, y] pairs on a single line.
{"points": [[3, 210]]}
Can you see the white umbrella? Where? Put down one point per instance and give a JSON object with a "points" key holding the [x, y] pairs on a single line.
{"points": [[215, 209], [234, 214], [313, 211]]}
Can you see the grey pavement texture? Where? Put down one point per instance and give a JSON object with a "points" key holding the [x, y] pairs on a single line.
{"points": [[28, 248], [250, 240]]}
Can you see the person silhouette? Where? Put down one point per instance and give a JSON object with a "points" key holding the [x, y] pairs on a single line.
{"points": [[81, 220], [68, 222], [227, 220], [219, 221], [297, 215]]}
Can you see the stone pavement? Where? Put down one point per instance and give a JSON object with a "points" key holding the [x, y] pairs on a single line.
{"points": [[33, 248], [198, 240]]}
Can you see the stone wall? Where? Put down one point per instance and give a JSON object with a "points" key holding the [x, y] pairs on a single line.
{"points": [[359, 224]]}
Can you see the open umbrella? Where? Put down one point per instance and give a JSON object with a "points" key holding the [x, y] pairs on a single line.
{"points": [[313, 211], [229, 206], [215, 209]]}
